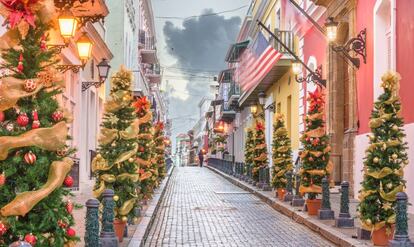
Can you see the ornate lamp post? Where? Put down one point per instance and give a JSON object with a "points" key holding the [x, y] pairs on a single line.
{"points": [[103, 71]]}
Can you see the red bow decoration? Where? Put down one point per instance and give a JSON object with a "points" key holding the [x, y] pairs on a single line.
{"points": [[19, 10], [316, 100], [160, 125], [260, 126], [141, 104]]}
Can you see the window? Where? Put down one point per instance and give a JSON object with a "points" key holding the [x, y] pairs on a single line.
{"points": [[384, 41]]}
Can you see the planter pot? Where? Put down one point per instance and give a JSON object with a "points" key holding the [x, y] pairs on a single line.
{"points": [[380, 237], [313, 206], [281, 193], [119, 228]]}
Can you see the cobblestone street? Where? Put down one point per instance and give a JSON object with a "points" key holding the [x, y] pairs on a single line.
{"points": [[201, 208]]}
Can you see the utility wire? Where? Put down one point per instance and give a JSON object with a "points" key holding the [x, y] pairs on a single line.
{"points": [[196, 16]]}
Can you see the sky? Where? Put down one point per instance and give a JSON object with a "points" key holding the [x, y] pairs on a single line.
{"points": [[192, 50]]}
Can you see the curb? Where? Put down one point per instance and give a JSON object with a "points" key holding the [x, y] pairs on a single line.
{"points": [[326, 231], [143, 229]]}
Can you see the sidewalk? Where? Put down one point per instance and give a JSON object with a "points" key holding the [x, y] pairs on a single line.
{"points": [[136, 233], [339, 236]]}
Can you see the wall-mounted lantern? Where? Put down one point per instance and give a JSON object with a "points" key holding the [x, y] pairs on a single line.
{"points": [[103, 71]]}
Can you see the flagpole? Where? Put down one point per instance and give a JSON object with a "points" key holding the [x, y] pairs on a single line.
{"points": [[308, 17], [320, 81]]}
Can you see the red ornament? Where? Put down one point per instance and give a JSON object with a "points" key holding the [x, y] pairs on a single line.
{"points": [[2, 179], [315, 142], [2, 117], [61, 152], [69, 206], [68, 182], [307, 139], [57, 116], [141, 149], [30, 158], [20, 64], [22, 120], [311, 159], [70, 232], [43, 46], [30, 238], [3, 228], [62, 224], [36, 122], [29, 85]]}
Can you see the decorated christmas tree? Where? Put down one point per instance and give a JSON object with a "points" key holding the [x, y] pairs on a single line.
{"points": [[385, 159], [316, 150], [114, 166], [34, 161], [220, 141], [249, 148], [159, 149], [260, 151], [148, 173], [282, 154]]}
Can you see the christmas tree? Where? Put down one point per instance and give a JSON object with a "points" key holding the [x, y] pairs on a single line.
{"points": [[220, 140], [260, 151], [159, 149], [148, 173], [34, 161], [282, 154], [316, 150], [385, 159], [249, 148], [114, 166]]}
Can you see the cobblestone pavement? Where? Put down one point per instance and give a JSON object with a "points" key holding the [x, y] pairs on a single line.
{"points": [[200, 208]]}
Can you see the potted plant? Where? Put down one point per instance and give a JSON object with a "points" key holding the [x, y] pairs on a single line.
{"points": [[384, 162], [316, 152]]}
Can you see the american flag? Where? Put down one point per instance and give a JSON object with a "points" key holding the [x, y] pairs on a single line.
{"points": [[255, 62]]}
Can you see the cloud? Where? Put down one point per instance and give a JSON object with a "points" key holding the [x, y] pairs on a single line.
{"points": [[199, 45]]}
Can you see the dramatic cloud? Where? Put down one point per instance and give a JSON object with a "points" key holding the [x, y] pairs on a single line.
{"points": [[199, 45]]}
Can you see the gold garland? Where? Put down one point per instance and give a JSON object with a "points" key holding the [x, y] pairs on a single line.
{"points": [[12, 89], [381, 173], [319, 132], [25, 201], [50, 139], [392, 195]]}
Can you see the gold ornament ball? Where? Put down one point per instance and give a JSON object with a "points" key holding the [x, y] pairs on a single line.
{"points": [[395, 128], [131, 160], [369, 222], [135, 220], [116, 198], [405, 162], [394, 156], [389, 185], [113, 144], [124, 219], [376, 160]]}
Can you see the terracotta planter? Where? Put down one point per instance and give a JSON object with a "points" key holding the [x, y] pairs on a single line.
{"points": [[119, 228], [281, 193], [380, 237], [313, 206]]}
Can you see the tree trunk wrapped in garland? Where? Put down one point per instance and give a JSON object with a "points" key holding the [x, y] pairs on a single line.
{"points": [[282, 154], [148, 174], [260, 151], [315, 156], [249, 148], [115, 166], [385, 159], [159, 149], [34, 159]]}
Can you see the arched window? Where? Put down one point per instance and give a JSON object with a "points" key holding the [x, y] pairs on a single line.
{"points": [[384, 41]]}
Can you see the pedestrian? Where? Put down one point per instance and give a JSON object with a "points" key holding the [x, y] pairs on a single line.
{"points": [[201, 157]]}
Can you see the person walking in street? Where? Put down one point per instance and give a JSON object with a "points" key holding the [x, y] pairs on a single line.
{"points": [[201, 157]]}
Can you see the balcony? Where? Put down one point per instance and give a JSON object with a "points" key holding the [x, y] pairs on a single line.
{"points": [[147, 48], [234, 93], [153, 73], [227, 113], [287, 38], [226, 76], [279, 69]]}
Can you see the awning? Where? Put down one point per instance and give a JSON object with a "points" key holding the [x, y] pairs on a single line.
{"points": [[235, 50], [226, 76]]}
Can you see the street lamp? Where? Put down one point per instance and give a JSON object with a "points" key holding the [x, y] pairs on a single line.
{"points": [[103, 71], [253, 109], [357, 45], [84, 45], [262, 98], [67, 25]]}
